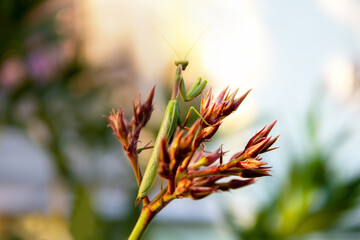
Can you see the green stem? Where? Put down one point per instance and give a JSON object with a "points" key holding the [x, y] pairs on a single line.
{"points": [[138, 176], [147, 215], [143, 222]]}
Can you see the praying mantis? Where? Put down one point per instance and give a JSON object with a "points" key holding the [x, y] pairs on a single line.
{"points": [[171, 117], [169, 123]]}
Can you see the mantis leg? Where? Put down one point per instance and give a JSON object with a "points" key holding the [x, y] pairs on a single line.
{"points": [[139, 150], [194, 91], [183, 125]]}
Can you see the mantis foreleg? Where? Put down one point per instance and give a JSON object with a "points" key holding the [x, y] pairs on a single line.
{"points": [[194, 91]]}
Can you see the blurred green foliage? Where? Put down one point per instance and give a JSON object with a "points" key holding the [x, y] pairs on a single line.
{"points": [[83, 220], [47, 99], [14, 27], [315, 200]]}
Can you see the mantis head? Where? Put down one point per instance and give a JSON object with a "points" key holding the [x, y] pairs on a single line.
{"points": [[183, 63]]}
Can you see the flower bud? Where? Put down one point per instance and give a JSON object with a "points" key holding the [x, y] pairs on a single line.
{"points": [[208, 181], [250, 163], [234, 104], [235, 184], [148, 107], [214, 111], [142, 112], [182, 188], [255, 172], [208, 159], [205, 102], [197, 193], [164, 160], [119, 126], [254, 150], [221, 96], [263, 133], [186, 143], [176, 155], [206, 134], [269, 144]]}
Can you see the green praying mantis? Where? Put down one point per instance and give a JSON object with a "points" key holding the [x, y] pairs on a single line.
{"points": [[171, 117], [169, 123]]}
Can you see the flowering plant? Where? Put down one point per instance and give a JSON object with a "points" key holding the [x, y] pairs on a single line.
{"points": [[191, 171]]}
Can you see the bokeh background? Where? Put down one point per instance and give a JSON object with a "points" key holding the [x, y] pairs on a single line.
{"points": [[64, 64]]}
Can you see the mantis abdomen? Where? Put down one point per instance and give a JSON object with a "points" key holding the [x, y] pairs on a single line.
{"points": [[167, 128]]}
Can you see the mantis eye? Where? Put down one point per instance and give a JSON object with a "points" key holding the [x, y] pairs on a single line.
{"points": [[183, 63]]}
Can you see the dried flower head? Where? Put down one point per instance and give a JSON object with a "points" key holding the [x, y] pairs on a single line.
{"points": [[128, 132], [214, 110], [181, 157], [195, 173]]}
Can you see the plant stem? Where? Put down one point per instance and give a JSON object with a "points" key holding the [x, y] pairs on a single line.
{"points": [[135, 167], [143, 222], [138, 176], [147, 214]]}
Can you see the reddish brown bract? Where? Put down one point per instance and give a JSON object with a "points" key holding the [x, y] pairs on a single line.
{"points": [[128, 133], [191, 172]]}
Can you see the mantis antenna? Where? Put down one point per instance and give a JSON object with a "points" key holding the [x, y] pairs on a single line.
{"points": [[200, 36], [168, 42], [194, 43]]}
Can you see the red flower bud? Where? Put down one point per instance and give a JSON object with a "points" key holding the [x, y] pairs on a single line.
{"points": [[197, 193], [164, 160], [186, 142], [269, 144], [142, 112], [255, 172], [119, 126], [254, 150], [208, 159], [214, 111], [182, 188], [205, 102], [263, 133], [250, 163], [235, 184], [206, 134]]}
